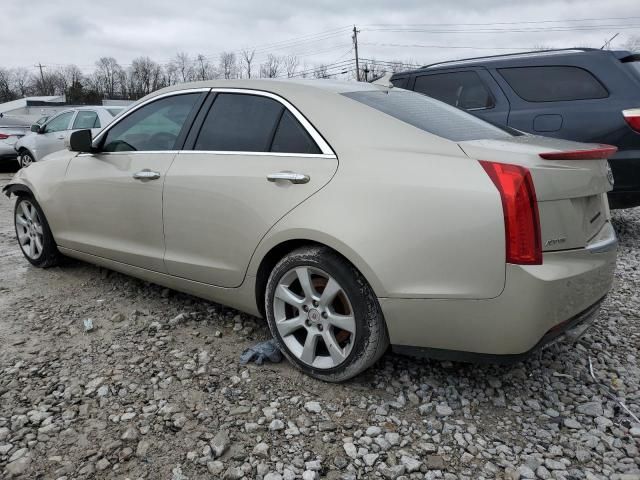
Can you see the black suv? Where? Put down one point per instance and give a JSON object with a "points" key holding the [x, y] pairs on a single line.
{"points": [[580, 94]]}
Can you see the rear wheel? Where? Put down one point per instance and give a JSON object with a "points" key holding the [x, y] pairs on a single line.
{"points": [[25, 158], [324, 315], [33, 233]]}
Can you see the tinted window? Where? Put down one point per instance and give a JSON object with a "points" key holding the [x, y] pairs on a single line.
{"points": [[400, 82], [429, 115], [291, 137], [553, 84], [86, 119], [59, 123], [460, 89], [155, 126], [239, 123]]}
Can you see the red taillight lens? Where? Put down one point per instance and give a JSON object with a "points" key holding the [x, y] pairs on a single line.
{"points": [[633, 118], [601, 153], [4, 136], [520, 209]]}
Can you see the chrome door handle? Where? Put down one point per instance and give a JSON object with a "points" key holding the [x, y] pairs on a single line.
{"points": [[290, 176], [61, 137], [146, 174]]}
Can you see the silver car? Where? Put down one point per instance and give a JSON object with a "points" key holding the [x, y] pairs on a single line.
{"points": [[53, 134], [350, 216]]}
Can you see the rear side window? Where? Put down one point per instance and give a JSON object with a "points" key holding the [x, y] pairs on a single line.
{"points": [[239, 123], [252, 123], [291, 137], [86, 119], [461, 89], [553, 83], [429, 115], [400, 82]]}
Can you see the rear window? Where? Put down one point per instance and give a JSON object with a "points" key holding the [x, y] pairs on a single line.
{"points": [[634, 66], [429, 115], [553, 83]]}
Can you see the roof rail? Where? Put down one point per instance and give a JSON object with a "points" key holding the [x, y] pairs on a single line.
{"points": [[536, 53]]}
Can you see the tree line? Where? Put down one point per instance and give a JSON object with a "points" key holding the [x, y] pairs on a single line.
{"points": [[111, 80]]}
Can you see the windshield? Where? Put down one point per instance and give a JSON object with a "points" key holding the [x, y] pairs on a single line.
{"points": [[429, 115]]}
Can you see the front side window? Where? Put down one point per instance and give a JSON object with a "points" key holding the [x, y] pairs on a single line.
{"points": [[428, 114], [464, 90], [86, 119], [153, 127], [553, 83], [59, 123]]}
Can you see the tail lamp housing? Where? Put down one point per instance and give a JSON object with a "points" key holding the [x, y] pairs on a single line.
{"points": [[520, 208]]}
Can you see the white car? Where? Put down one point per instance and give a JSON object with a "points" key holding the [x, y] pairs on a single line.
{"points": [[54, 134]]}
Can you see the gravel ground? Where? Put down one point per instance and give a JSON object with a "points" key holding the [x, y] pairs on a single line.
{"points": [[156, 391]]}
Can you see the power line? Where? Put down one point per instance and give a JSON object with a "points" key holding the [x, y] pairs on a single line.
{"points": [[500, 23], [415, 45], [584, 28]]}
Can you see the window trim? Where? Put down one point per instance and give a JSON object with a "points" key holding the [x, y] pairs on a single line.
{"points": [[464, 70], [64, 112], [327, 151], [566, 65]]}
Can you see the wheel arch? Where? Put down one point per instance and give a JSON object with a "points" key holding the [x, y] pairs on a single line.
{"points": [[270, 254], [17, 189]]}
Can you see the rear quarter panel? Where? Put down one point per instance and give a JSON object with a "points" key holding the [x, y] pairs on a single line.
{"points": [[416, 224]]}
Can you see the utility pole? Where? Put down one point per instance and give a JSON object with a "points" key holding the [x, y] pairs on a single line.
{"points": [[355, 43], [42, 85]]}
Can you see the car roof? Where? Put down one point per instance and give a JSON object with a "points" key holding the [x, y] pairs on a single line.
{"points": [[277, 86], [496, 60]]}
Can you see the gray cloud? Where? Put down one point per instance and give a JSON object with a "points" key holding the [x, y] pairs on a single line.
{"points": [[80, 32]]}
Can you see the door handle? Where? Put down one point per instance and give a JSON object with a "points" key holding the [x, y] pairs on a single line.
{"points": [[146, 174], [290, 176], [61, 137]]}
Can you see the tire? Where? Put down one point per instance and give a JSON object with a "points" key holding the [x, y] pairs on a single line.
{"points": [[25, 158], [33, 232], [336, 336]]}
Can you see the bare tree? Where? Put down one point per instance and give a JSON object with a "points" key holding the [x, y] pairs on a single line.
{"points": [[183, 66], [247, 59], [145, 76], [291, 63], [320, 71], [6, 92], [22, 82], [632, 44], [108, 74], [203, 69], [271, 68], [228, 66]]}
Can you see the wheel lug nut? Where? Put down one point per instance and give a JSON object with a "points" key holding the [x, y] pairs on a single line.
{"points": [[307, 322], [305, 308], [320, 327], [324, 315], [315, 303]]}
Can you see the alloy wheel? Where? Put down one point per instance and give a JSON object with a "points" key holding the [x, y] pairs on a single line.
{"points": [[29, 229], [314, 317], [25, 159]]}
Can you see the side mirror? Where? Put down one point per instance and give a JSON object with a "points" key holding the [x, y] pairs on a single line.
{"points": [[36, 128], [80, 141]]}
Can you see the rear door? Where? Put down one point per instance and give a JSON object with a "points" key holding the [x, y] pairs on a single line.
{"points": [[250, 158], [470, 89], [87, 119]]}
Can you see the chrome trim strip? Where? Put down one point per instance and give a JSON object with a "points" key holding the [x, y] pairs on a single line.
{"points": [[124, 115], [259, 154]]}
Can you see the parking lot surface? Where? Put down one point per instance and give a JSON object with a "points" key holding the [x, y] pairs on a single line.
{"points": [[156, 391]]}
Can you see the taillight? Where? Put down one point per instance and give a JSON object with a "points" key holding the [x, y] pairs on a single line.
{"points": [[602, 152], [520, 209], [632, 117], [4, 136]]}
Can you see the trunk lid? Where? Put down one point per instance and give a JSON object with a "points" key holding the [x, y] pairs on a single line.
{"points": [[571, 194]]}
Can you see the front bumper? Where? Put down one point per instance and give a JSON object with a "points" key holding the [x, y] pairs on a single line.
{"points": [[536, 300]]}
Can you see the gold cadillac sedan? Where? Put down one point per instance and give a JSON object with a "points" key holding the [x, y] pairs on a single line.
{"points": [[351, 216]]}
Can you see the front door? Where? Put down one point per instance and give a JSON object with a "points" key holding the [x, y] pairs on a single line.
{"points": [[54, 135], [113, 198], [253, 161]]}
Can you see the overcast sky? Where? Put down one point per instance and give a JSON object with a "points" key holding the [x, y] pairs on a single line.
{"points": [[78, 31]]}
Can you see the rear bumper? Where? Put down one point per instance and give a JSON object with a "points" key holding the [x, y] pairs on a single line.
{"points": [[538, 301]]}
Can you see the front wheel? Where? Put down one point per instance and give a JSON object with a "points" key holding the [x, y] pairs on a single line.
{"points": [[25, 158], [324, 315], [33, 233]]}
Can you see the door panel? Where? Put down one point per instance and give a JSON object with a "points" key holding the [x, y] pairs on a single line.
{"points": [[109, 213], [218, 206], [56, 133]]}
